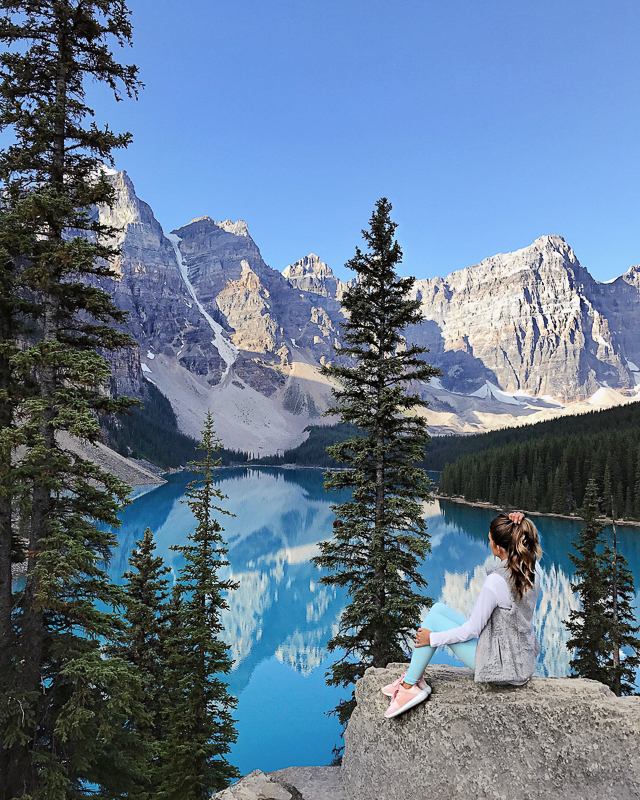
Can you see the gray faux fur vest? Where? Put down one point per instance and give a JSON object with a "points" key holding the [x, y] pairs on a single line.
{"points": [[507, 646]]}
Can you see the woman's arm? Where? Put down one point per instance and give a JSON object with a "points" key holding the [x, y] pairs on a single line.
{"points": [[485, 604]]}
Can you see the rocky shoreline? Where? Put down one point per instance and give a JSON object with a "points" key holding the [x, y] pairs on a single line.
{"points": [[293, 783], [480, 504]]}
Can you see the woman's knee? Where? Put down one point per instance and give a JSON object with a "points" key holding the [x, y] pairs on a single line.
{"points": [[436, 608]]}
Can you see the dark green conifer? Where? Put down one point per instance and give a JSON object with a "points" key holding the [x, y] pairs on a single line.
{"points": [[589, 625], [557, 463], [15, 238], [143, 644], [198, 723], [64, 707], [380, 536], [624, 643]]}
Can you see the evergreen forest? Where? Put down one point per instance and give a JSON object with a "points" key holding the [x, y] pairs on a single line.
{"points": [[150, 432], [443, 450], [446, 449], [92, 675], [313, 451], [546, 467]]}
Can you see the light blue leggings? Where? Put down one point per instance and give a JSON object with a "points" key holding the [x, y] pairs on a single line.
{"points": [[440, 618]]}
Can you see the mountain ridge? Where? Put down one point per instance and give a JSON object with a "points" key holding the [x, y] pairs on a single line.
{"points": [[518, 335]]}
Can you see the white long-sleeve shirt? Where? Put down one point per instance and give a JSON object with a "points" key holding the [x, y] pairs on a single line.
{"points": [[494, 592]]}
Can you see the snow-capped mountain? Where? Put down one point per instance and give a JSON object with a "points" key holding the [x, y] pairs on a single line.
{"points": [[528, 334]]}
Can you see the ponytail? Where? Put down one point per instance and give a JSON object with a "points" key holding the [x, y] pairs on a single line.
{"points": [[522, 543]]}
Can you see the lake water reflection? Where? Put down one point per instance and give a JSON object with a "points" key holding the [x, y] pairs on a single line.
{"points": [[280, 617]]}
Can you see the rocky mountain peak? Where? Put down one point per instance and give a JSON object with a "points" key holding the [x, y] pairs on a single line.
{"points": [[547, 254], [311, 274], [553, 240], [534, 319], [221, 329], [238, 228], [127, 209], [213, 253], [309, 265], [632, 276]]}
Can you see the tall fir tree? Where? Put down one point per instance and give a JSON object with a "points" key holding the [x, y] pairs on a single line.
{"points": [[623, 632], [589, 625], [143, 644], [64, 707], [380, 537], [15, 238], [199, 726]]}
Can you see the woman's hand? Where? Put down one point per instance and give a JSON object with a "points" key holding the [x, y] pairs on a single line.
{"points": [[423, 637], [516, 517]]}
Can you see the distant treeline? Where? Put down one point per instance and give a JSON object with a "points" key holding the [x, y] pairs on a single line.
{"points": [[546, 467], [313, 451], [446, 449], [541, 467]]}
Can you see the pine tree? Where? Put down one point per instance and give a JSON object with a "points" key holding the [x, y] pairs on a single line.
{"points": [[64, 707], [199, 727], [623, 632], [589, 625], [143, 644], [380, 536], [15, 238]]}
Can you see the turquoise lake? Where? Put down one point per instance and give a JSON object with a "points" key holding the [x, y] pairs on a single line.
{"points": [[280, 617]]}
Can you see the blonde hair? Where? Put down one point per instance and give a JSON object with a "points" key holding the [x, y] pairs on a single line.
{"points": [[522, 543]]}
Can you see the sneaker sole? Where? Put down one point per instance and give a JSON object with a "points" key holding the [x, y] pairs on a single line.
{"points": [[417, 699]]}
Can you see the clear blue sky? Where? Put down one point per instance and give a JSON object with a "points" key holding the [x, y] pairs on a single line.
{"points": [[487, 124]]}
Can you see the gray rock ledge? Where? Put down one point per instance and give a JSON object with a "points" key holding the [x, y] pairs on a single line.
{"points": [[293, 783], [553, 739]]}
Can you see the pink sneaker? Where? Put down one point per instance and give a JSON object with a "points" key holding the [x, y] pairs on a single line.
{"points": [[390, 689], [404, 699]]}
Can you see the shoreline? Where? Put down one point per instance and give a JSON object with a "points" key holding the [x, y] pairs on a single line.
{"points": [[631, 523]]}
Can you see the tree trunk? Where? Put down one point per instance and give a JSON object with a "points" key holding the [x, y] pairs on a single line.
{"points": [[6, 637], [378, 650], [32, 637], [6, 527]]}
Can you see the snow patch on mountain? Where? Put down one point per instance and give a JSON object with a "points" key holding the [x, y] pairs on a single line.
{"points": [[228, 351], [491, 390], [552, 400]]}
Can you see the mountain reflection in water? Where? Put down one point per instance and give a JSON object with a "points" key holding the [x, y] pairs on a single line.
{"points": [[281, 617]]}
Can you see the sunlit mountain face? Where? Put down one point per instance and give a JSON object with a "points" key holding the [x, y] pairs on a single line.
{"points": [[519, 337], [281, 616]]}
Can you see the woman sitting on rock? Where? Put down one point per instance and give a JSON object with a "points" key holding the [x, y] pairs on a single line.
{"points": [[498, 641]]}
